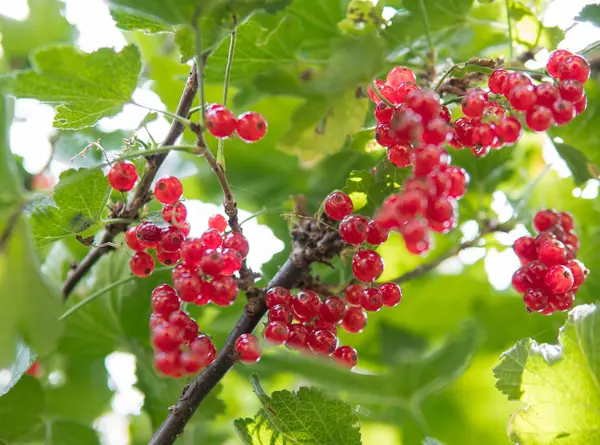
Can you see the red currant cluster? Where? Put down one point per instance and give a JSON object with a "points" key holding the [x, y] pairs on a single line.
{"points": [[550, 276], [222, 123]]}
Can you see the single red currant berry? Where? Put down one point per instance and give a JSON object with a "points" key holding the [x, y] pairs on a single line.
{"points": [[236, 241], [484, 135], [562, 302], [276, 332], [206, 295], [376, 234], [371, 299], [167, 258], [571, 90], [535, 271], [555, 60], [338, 205], [441, 210], [192, 251], [566, 220], [278, 295], [346, 356], [164, 300], [167, 363], [141, 264], [384, 135], [298, 337], [332, 310], [427, 159], [168, 190], [353, 293], [552, 252], [148, 235], [436, 131], [579, 271], [497, 80], [508, 129], [402, 91], [574, 68], [353, 229], [515, 79], [167, 337], [212, 262], [522, 97], [188, 287], [174, 213], [406, 126], [183, 270], [535, 300], [544, 219], [131, 239], [539, 118], [170, 239], [459, 179], [580, 105], [322, 342], [383, 113], [232, 262], [211, 239], [546, 94], [559, 279], [247, 348], [319, 323], [220, 122], [398, 75], [392, 294], [525, 248], [185, 323], [251, 126], [190, 362], [425, 103], [415, 231], [520, 282], [217, 222], [367, 265], [399, 155], [355, 320], [225, 290], [204, 348], [122, 176], [563, 112], [281, 312], [306, 305], [473, 105]]}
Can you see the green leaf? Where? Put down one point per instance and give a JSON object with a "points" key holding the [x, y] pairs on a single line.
{"points": [[576, 161], [74, 207], [558, 384], [138, 22], [320, 126], [518, 10], [86, 87], [590, 13], [305, 416], [21, 409], [431, 441], [24, 357], [69, 146]]}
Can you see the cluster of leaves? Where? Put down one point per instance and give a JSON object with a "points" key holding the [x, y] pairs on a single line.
{"points": [[303, 64]]}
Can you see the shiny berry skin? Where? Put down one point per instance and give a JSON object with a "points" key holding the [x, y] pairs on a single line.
{"points": [[236, 241], [424, 103], [559, 279], [278, 295], [332, 310], [371, 299], [398, 75], [220, 122], [212, 262], [574, 68], [281, 312], [346, 356], [562, 302], [225, 290], [170, 239], [319, 323], [355, 320], [167, 363], [522, 97], [141, 264], [473, 105], [148, 235], [544, 219], [546, 94], [353, 229], [399, 155], [131, 239], [276, 332], [251, 126], [535, 271], [579, 271], [211, 239], [384, 135], [497, 80], [566, 220], [555, 60], [539, 118], [168, 190], [383, 113], [508, 129], [525, 248], [167, 258], [580, 105], [306, 305], [427, 159], [322, 342], [552, 252], [188, 287], [338, 205], [164, 300], [535, 300], [184, 227], [459, 179], [484, 135], [403, 90], [436, 131], [217, 222], [520, 282], [392, 294], [174, 213], [232, 262], [571, 90], [367, 265], [122, 176], [563, 112], [203, 348], [247, 348], [206, 295], [352, 294], [298, 337], [386, 91], [167, 337], [185, 323], [376, 234], [192, 251], [190, 362], [514, 79]]}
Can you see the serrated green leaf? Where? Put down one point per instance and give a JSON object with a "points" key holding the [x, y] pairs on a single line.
{"points": [[590, 13], [576, 161], [558, 384], [86, 87], [21, 410], [74, 207], [138, 22], [305, 416], [320, 21]]}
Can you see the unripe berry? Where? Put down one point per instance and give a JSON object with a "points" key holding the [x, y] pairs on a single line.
{"points": [[346, 356], [122, 176], [338, 205], [168, 190], [141, 264]]}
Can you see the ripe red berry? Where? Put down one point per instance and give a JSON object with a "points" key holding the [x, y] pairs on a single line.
{"points": [[497, 80], [552, 252], [170, 239], [555, 60], [332, 310], [206, 295], [251, 126], [281, 312], [520, 282], [371, 299], [571, 90], [167, 258], [525, 248], [322, 342], [141, 264], [559, 279], [248, 349], [385, 90], [539, 118], [306, 305], [402, 91], [406, 127], [383, 113], [192, 251], [298, 337], [167, 337], [399, 154], [174, 213], [353, 229], [561, 302], [367, 265], [545, 219], [225, 290], [211, 239], [167, 363], [522, 97], [185, 323], [384, 135], [546, 94], [514, 79], [217, 222], [212, 262], [579, 271], [236, 241], [131, 239], [580, 105], [188, 287], [436, 131], [392, 294], [190, 362], [508, 129], [232, 262], [276, 332], [148, 235], [376, 234], [563, 112], [459, 179], [338, 205], [574, 68], [122, 176], [220, 122], [346, 356], [352, 294], [535, 271], [473, 105], [355, 320], [278, 295], [164, 300], [426, 104], [168, 190], [203, 348], [535, 300], [566, 220], [399, 75]]}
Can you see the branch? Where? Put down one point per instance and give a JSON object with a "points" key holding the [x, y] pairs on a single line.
{"points": [[142, 192]]}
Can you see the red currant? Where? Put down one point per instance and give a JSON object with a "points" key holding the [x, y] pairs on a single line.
{"points": [[217, 222], [539, 118], [427, 159], [278, 295], [371, 299], [190, 362], [220, 122], [276, 332], [403, 90], [168, 190], [248, 349], [346, 356], [204, 348], [167, 337], [141, 264], [212, 262], [232, 262], [192, 251], [352, 294], [281, 312], [188, 287], [306, 305], [367, 265], [459, 179], [384, 135], [525, 248], [497, 80], [170, 239], [211, 239], [563, 112], [508, 129], [164, 300], [561, 302], [338, 205], [236, 241], [522, 97], [544, 219], [473, 105], [571, 90], [514, 79], [174, 213], [383, 113], [131, 239], [436, 131], [535, 300], [332, 310], [520, 282], [167, 258], [225, 290], [580, 105], [206, 295], [566, 220], [392, 294], [535, 271], [385, 90], [148, 235], [399, 155], [552, 252], [122, 176], [353, 229], [559, 279], [322, 342], [251, 126], [399, 75], [298, 337], [579, 271], [355, 320], [546, 94], [167, 363], [574, 68], [555, 60], [376, 234]]}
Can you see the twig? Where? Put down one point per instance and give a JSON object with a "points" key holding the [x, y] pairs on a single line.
{"points": [[445, 76], [142, 191]]}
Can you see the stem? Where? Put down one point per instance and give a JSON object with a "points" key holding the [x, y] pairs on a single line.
{"points": [[155, 151], [200, 61], [445, 76], [232, 39], [117, 221], [173, 116], [510, 34], [527, 70], [384, 100], [427, 31], [453, 100]]}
